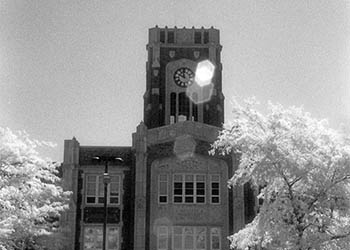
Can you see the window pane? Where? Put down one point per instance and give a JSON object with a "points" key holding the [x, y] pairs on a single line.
{"points": [[91, 178], [206, 36], [200, 199], [100, 186], [200, 178], [189, 178], [163, 199], [200, 238], [114, 200], [163, 188], [197, 37], [162, 36], [215, 199], [113, 239], [215, 178], [91, 189], [189, 199], [163, 177], [90, 200], [178, 199], [215, 185], [177, 237], [114, 189], [215, 243], [177, 241], [178, 177], [189, 188], [115, 178], [215, 238], [171, 37]]}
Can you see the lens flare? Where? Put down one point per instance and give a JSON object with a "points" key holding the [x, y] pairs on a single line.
{"points": [[204, 73]]}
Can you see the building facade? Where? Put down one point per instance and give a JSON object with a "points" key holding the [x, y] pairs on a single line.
{"points": [[167, 192]]}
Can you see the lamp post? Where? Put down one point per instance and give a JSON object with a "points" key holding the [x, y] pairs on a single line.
{"points": [[106, 181]]}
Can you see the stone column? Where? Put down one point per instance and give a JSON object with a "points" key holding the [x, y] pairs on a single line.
{"points": [[140, 147], [69, 172]]}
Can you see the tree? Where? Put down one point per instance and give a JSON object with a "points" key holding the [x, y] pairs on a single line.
{"points": [[31, 197], [301, 170]]}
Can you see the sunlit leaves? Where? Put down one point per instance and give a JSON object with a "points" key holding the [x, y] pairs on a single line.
{"points": [[302, 168], [30, 192]]}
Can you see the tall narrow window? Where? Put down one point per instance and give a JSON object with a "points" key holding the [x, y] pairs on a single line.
{"points": [[114, 189], [188, 238], [206, 37], [215, 239], [178, 189], [172, 108], [189, 189], [91, 188], [184, 107], [200, 189], [162, 36], [163, 188], [171, 37], [200, 240], [177, 238], [162, 238], [194, 107], [215, 189], [197, 37]]}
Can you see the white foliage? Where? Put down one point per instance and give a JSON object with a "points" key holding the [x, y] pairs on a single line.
{"points": [[303, 169], [30, 191]]}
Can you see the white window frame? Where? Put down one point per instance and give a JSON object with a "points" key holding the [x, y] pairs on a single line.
{"points": [[159, 189], [107, 241], [194, 235], [98, 179], [162, 231], [194, 195], [211, 189], [212, 235]]}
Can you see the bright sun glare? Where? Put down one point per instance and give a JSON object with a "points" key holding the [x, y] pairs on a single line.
{"points": [[204, 73]]}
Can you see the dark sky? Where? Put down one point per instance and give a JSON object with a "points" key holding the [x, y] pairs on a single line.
{"points": [[77, 68]]}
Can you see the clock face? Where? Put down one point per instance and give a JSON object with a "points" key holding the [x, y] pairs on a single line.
{"points": [[183, 77]]}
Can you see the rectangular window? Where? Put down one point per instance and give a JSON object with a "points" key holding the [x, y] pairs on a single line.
{"points": [[93, 238], [172, 108], [206, 37], [162, 36], [171, 37], [215, 238], [95, 189], [162, 238], [184, 107], [178, 188], [163, 188], [189, 188], [215, 189], [189, 238], [197, 37]]}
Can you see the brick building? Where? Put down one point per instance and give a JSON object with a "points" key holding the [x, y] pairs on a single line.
{"points": [[167, 192]]}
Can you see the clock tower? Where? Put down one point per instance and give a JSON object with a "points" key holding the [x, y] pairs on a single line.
{"points": [[171, 95]]}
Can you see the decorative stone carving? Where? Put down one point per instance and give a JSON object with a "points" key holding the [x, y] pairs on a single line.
{"points": [[196, 54], [172, 53]]}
